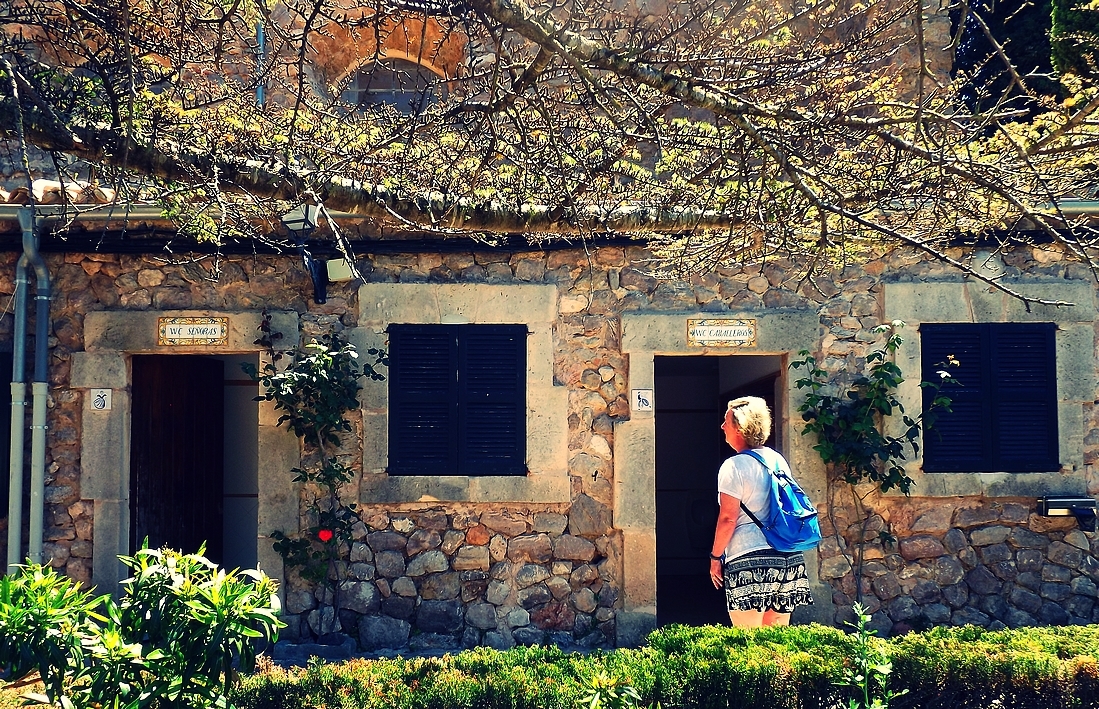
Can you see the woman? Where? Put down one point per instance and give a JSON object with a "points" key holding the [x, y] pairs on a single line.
{"points": [[762, 585]]}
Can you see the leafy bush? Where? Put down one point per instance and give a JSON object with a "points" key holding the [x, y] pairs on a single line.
{"points": [[1073, 36], [1034, 667], [799, 667], [43, 617], [177, 637], [848, 424], [318, 387], [314, 393], [781, 668]]}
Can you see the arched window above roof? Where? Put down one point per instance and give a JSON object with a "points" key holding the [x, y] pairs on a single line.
{"points": [[407, 86]]}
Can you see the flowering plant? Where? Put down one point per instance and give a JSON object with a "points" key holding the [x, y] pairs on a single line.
{"points": [[315, 392]]}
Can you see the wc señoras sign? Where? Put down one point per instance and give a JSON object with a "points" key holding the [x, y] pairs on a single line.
{"points": [[192, 331]]}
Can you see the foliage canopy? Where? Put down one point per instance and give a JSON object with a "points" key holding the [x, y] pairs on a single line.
{"points": [[720, 130]]}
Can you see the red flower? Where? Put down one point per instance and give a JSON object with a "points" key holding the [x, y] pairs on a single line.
{"points": [[325, 535]]}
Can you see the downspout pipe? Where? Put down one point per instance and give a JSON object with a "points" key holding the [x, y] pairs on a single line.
{"points": [[18, 416], [261, 62], [40, 386], [39, 391]]}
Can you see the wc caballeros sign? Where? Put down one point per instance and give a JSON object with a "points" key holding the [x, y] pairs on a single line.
{"points": [[721, 333], [192, 331]]}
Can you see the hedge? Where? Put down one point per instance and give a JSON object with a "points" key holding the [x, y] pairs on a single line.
{"points": [[713, 667], [709, 668]]}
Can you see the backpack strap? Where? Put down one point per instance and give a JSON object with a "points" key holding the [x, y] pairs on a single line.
{"points": [[750, 515], [777, 471], [758, 457], [744, 507]]}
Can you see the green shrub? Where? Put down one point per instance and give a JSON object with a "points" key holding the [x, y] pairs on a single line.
{"points": [[972, 667], [176, 638], [710, 667], [314, 393], [769, 667], [43, 618], [1074, 34]]}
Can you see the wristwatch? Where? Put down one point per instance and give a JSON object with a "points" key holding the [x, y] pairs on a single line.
{"points": [[717, 558]]}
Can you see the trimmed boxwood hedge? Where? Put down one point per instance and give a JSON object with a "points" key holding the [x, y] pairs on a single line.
{"points": [[710, 668]]}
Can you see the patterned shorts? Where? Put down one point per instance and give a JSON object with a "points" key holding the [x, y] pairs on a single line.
{"points": [[767, 580]]}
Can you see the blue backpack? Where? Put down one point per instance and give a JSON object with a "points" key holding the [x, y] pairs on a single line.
{"points": [[792, 524]]}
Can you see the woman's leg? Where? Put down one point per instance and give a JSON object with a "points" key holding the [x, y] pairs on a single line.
{"points": [[746, 619], [772, 617]]}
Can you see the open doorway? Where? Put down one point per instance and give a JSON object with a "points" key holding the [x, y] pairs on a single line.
{"points": [[691, 395], [194, 456]]}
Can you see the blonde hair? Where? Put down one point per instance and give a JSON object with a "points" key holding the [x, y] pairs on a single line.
{"points": [[753, 418]]}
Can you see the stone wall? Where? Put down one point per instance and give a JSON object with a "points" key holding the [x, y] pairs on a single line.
{"points": [[992, 563], [447, 575], [467, 577], [985, 558]]}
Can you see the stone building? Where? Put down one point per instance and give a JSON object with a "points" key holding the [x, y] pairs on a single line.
{"points": [[578, 508], [602, 529]]}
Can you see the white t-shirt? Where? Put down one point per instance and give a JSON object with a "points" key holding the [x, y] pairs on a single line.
{"points": [[745, 479]]}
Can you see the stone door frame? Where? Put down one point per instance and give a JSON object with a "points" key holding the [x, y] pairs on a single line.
{"points": [[644, 337], [110, 338]]}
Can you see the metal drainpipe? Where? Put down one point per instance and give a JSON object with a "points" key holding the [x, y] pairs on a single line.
{"points": [[40, 386], [18, 416], [261, 61]]}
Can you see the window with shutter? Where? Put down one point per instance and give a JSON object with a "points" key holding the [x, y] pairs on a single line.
{"points": [[457, 400], [1003, 414]]}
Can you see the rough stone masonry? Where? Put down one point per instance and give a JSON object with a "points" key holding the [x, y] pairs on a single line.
{"points": [[433, 575]]}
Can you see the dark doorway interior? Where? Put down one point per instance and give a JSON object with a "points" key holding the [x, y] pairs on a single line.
{"points": [[691, 394], [177, 453]]}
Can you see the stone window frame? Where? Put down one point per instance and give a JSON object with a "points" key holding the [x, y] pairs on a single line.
{"points": [[111, 337], [966, 302], [536, 306]]}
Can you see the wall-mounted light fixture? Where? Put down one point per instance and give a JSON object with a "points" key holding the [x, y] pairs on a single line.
{"points": [[1082, 508], [300, 222]]}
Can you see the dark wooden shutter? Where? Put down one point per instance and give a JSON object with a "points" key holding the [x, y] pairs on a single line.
{"points": [[1025, 397], [492, 399], [423, 400], [960, 440], [1004, 407]]}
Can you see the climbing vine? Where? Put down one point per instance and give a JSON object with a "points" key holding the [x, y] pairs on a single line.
{"points": [[849, 424], [852, 437], [314, 393]]}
